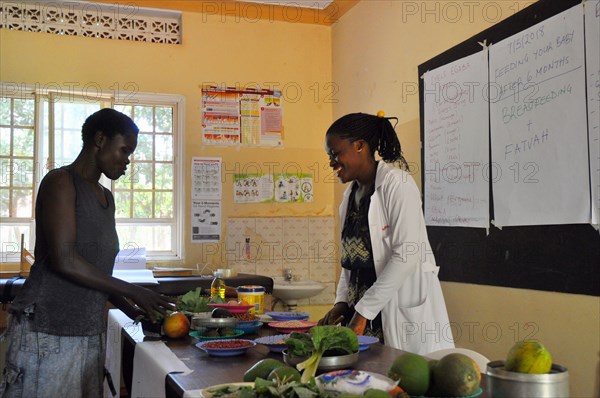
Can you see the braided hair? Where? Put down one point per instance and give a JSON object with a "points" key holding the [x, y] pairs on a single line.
{"points": [[377, 131]]}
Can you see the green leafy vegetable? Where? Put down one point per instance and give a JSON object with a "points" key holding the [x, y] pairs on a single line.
{"points": [[323, 339], [192, 301]]}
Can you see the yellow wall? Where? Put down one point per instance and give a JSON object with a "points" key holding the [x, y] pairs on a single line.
{"points": [[371, 55], [377, 47], [293, 57]]}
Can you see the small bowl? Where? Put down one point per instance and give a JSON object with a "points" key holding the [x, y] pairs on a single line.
{"points": [[275, 343], [327, 363], [198, 335], [503, 383], [226, 352], [203, 323], [249, 327]]}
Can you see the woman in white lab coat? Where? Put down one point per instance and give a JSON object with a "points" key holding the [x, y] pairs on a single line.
{"points": [[388, 286]]}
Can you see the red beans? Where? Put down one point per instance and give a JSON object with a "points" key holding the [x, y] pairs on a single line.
{"points": [[227, 344]]}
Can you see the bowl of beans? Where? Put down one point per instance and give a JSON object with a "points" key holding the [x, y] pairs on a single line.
{"points": [[293, 326], [226, 348]]}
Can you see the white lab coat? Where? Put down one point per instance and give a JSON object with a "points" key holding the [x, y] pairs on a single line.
{"points": [[407, 291]]}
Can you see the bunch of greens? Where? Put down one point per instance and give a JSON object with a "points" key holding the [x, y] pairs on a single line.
{"points": [[320, 340], [271, 389], [193, 301]]}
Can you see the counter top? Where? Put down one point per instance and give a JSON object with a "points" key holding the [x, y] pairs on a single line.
{"points": [[209, 371], [170, 286]]}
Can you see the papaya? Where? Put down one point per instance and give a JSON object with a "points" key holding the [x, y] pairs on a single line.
{"points": [[412, 373], [456, 375], [284, 374], [262, 369], [528, 356]]}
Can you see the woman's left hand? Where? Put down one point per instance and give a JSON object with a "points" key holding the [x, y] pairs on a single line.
{"points": [[358, 324]]}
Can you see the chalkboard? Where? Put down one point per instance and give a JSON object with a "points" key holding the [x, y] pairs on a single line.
{"points": [[562, 258]]}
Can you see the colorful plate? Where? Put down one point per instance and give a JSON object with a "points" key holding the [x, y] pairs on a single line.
{"points": [[234, 309], [364, 342], [293, 326], [226, 351], [249, 327], [288, 316], [274, 343], [197, 335]]}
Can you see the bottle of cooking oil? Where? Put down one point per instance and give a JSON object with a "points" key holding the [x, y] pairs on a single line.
{"points": [[217, 287]]}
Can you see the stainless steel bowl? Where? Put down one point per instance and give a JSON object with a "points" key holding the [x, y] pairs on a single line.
{"points": [[327, 363], [200, 323], [504, 384]]}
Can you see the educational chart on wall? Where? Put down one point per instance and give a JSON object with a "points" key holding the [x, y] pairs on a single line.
{"points": [[592, 50], [247, 117], [264, 187], [206, 199], [456, 143], [538, 124]]}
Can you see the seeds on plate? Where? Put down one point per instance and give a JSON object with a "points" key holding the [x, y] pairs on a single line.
{"points": [[227, 344], [292, 324]]}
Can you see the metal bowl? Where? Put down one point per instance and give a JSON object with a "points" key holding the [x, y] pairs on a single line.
{"points": [[327, 363], [504, 384], [199, 323]]}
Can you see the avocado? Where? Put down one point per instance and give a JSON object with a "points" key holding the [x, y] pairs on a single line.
{"points": [[262, 369]]}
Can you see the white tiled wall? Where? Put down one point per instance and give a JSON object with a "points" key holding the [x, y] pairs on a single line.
{"points": [[306, 245]]}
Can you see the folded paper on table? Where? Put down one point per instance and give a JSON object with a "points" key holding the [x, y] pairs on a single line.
{"points": [[117, 321], [152, 361], [139, 276]]}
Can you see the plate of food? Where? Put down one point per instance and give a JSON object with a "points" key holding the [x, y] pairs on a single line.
{"points": [[275, 343], [288, 316], [364, 342], [293, 326], [233, 308], [217, 334], [226, 348]]}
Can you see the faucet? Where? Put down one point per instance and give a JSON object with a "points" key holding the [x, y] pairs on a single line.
{"points": [[287, 274]]}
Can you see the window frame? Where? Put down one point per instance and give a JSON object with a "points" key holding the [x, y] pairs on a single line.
{"points": [[38, 94]]}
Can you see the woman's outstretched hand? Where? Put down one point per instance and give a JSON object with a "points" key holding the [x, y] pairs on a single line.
{"points": [[335, 315]]}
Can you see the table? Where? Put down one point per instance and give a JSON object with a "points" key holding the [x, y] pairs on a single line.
{"points": [[209, 371]]}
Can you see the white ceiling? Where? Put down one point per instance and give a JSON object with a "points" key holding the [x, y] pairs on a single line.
{"points": [[319, 4]]}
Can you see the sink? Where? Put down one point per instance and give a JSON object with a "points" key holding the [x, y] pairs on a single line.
{"points": [[292, 291]]}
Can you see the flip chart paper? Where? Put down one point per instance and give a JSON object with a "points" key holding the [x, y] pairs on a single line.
{"points": [[457, 143], [592, 51], [538, 124]]}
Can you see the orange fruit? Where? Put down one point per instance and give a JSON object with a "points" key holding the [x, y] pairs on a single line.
{"points": [[243, 302], [176, 325]]}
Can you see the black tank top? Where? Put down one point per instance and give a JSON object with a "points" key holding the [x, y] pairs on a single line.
{"points": [[62, 307]]}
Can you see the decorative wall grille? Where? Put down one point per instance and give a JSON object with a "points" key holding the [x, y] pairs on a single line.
{"points": [[75, 18]]}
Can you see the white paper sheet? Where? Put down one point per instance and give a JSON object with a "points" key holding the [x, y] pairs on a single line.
{"points": [[152, 361], [538, 124], [117, 320], [592, 50], [131, 258], [457, 143]]}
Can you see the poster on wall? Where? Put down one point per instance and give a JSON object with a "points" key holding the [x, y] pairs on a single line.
{"points": [[206, 178], [206, 221], [206, 199], [265, 188], [538, 124], [592, 51], [456, 151], [246, 117]]}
